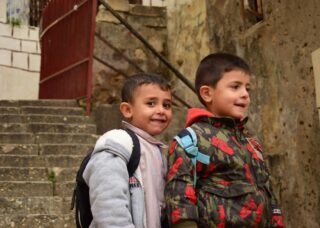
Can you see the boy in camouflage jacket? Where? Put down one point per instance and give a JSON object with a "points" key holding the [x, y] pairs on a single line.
{"points": [[234, 189]]}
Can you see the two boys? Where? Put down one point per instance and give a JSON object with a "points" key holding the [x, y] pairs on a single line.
{"points": [[232, 191]]}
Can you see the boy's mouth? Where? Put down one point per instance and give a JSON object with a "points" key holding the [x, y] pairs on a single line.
{"points": [[241, 105], [159, 120]]}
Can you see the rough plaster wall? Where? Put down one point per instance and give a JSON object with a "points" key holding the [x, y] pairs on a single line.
{"points": [[283, 111], [187, 40]]}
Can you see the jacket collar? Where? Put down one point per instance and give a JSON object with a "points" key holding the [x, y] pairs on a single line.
{"points": [[196, 114], [143, 134]]}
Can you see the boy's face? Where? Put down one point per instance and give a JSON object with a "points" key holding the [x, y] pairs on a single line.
{"points": [[150, 110], [231, 96]]}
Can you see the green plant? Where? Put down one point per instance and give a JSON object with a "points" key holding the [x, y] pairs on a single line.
{"points": [[52, 177], [15, 22]]}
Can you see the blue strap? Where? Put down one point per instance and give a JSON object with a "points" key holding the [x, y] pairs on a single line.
{"points": [[188, 141]]}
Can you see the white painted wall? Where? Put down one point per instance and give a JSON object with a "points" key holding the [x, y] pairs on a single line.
{"points": [[17, 84], [3, 11], [19, 62]]}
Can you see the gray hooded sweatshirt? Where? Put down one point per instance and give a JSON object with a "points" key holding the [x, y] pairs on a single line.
{"points": [[116, 201], [107, 177]]}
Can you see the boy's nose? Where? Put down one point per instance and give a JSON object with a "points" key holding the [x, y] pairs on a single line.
{"points": [[160, 109], [245, 93]]}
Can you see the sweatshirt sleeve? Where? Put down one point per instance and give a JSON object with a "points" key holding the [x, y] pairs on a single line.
{"points": [[107, 177], [180, 193]]}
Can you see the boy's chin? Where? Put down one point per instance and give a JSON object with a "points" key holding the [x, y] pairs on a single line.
{"points": [[239, 116], [155, 132]]}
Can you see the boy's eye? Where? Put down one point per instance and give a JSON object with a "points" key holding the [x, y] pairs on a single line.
{"points": [[167, 105], [151, 103]]}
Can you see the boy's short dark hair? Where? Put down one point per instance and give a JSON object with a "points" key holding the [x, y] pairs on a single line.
{"points": [[132, 83], [213, 66]]}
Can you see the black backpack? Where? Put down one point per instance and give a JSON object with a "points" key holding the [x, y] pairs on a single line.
{"points": [[80, 197]]}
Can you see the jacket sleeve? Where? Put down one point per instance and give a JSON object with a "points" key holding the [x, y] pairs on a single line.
{"points": [[276, 219], [107, 177], [180, 193]]}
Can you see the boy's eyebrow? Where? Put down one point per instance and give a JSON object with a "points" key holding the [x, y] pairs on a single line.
{"points": [[155, 99], [240, 82], [151, 98]]}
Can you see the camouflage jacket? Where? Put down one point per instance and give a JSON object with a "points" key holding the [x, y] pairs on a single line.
{"points": [[233, 190]]}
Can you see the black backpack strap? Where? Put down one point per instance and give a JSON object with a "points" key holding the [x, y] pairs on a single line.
{"points": [[135, 155]]}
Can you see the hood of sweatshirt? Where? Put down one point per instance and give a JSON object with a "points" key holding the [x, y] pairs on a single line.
{"points": [[116, 141]]}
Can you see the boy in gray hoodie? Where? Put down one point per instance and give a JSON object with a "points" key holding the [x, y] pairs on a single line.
{"points": [[116, 200]]}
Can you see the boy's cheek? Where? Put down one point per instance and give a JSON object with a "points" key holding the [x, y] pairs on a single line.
{"points": [[169, 116]]}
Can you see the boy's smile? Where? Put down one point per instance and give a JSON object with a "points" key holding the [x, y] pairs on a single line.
{"points": [[230, 97], [151, 109]]}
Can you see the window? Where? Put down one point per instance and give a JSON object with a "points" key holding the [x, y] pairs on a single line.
{"points": [[251, 11], [24, 12]]}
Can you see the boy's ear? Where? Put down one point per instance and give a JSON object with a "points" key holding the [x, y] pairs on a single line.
{"points": [[206, 93], [126, 110]]}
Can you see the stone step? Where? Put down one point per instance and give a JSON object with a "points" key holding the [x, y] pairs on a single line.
{"points": [[9, 110], [14, 127], [42, 102], [48, 127], [38, 221], [37, 174], [49, 102], [11, 118], [9, 103], [45, 149], [45, 138], [65, 188], [35, 205], [39, 118], [62, 128], [51, 110], [25, 188], [17, 138], [36, 188], [65, 149], [49, 161], [26, 149]]}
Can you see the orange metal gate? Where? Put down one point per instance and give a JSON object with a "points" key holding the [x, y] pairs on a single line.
{"points": [[67, 37]]}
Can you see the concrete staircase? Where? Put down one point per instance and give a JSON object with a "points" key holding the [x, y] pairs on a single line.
{"points": [[42, 143]]}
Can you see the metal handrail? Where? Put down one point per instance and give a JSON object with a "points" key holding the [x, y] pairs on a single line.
{"points": [[110, 66], [149, 46], [106, 42], [126, 75]]}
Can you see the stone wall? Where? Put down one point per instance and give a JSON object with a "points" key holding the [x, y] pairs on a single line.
{"points": [[19, 62], [151, 23], [283, 113], [188, 40]]}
